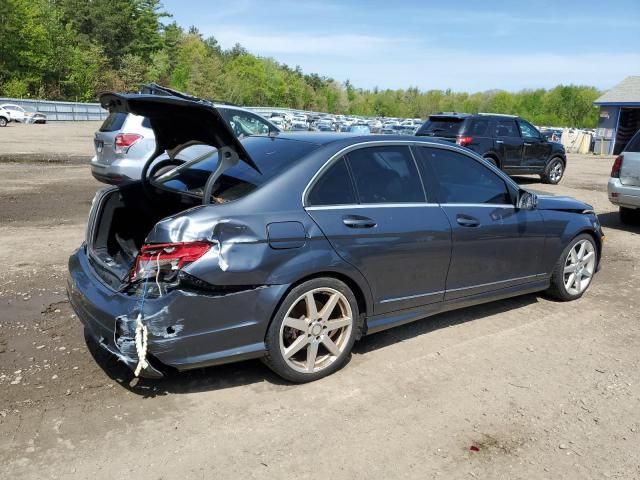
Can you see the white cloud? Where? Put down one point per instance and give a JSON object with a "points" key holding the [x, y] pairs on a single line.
{"points": [[304, 43]]}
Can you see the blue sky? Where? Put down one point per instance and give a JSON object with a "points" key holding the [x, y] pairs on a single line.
{"points": [[462, 45]]}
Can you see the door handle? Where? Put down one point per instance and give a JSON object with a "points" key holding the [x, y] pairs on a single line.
{"points": [[356, 221], [467, 221], [527, 144], [500, 141]]}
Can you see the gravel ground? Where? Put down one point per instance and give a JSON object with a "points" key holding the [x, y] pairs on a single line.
{"points": [[64, 142], [539, 389]]}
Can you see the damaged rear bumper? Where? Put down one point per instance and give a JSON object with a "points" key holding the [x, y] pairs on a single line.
{"points": [[186, 330]]}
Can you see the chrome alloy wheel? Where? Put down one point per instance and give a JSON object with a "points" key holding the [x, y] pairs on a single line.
{"points": [[316, 330], [556, 171], [579, 267]]}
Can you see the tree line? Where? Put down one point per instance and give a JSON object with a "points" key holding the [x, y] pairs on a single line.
{"points": [[74, 49]]}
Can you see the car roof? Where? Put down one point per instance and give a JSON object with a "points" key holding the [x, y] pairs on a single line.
{"points": [[450, 115], [326, 138], [469, 115]]}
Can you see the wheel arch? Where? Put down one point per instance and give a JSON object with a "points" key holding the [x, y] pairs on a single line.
{"points": [[555, 155], [493, 156], [365, 304], [597, 240]]}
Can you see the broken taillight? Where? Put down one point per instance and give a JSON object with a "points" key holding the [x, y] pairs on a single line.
{"points": [[124, 141], [163, 261], [463, 140], [617, 166]]}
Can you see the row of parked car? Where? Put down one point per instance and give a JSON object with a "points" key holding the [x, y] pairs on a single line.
{"points": [[342, 123], [10, 112], [125, 141]]}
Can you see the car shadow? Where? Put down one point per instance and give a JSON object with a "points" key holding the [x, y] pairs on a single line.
{"points": [[190, 381], [612, 220], [440, 321], [254, 371]]}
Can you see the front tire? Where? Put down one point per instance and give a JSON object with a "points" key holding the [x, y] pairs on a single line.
{"points": [[574, 270], [313, 331], [553, 172], [3, 122]]}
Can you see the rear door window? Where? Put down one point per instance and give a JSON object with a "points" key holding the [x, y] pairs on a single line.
{"points": [[334, 187], [385, 174], [506, 128], [527, 130], [113, 122], [478, 128], [461, 179]]}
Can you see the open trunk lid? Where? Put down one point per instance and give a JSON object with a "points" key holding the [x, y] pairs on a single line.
{"points": [[178, 121]]}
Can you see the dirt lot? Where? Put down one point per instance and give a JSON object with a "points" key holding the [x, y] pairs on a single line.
{"points": [[68, 142], [541, 389]]}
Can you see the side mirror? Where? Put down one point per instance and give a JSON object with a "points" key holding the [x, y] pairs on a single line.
{"points": [[527, 200]]}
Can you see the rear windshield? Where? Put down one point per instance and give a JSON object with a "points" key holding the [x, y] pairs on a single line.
{"points": [[634, 143], [273, 156], [441, 127], [113, 122]]}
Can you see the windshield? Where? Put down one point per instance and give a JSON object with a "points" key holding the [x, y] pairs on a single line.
{"points": [[272, 155], [441, 127]]}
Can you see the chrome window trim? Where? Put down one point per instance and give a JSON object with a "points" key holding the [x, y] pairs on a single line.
{"points": [[407, 205], [370, 205], [491, 205], [409, 143]]}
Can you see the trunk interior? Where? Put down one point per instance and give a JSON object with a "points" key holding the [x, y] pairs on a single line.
{"points": [[118, 226]]}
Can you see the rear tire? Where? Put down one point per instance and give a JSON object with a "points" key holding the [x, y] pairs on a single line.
{"points": [[313, 331], [493, 161], [573, 273], [553, 172], [629, 216]]}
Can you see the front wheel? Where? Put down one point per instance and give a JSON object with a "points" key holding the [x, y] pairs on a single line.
{"points": [[3, 122], [553, 172], [313, 331], [574, 270]]}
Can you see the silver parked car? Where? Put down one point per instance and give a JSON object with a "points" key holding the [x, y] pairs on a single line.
{"points": [[126, 141], [624, 183]]}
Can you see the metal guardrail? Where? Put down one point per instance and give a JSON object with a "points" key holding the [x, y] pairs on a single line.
{"points": [[62, 111], [76, 111]]}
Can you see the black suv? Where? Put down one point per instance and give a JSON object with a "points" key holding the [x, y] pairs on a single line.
{"points": [[509, 142]]}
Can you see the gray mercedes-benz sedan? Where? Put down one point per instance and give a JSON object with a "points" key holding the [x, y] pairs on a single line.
{"points": [[290, 247]]}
